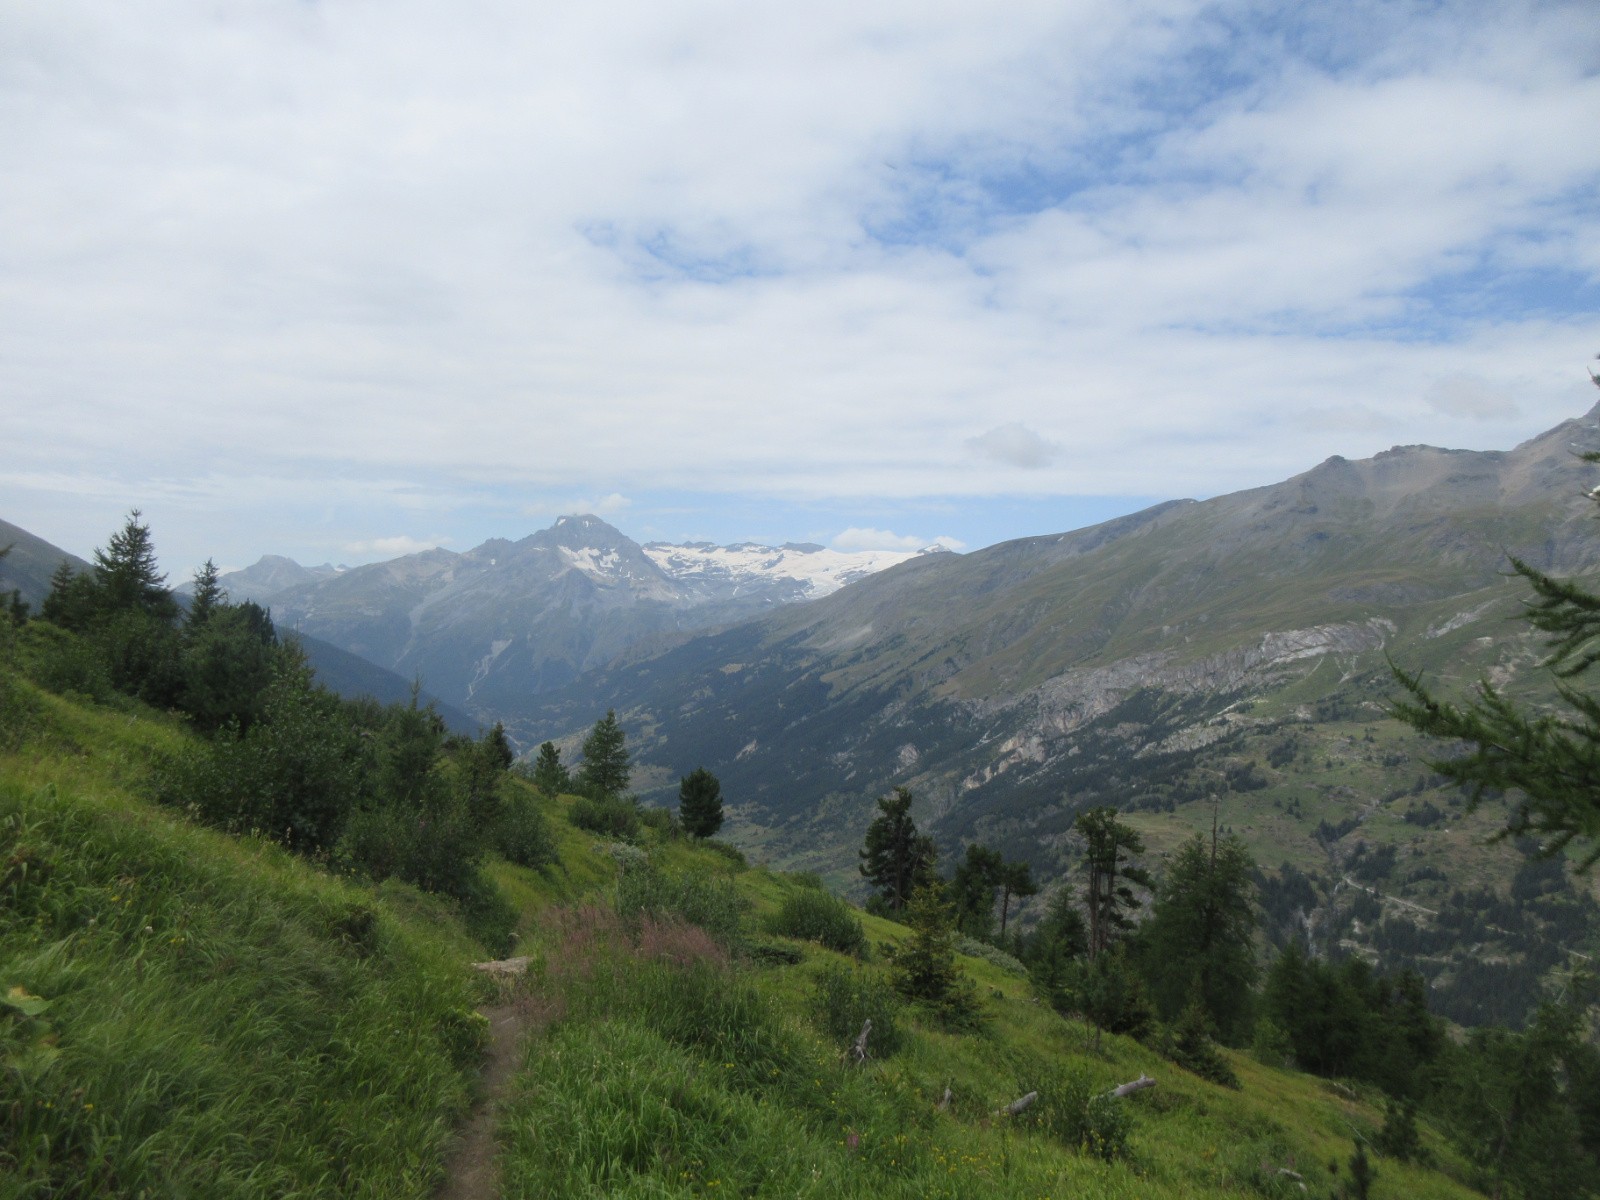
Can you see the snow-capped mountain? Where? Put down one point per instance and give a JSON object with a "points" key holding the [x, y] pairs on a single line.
{"points": [[509, 619], [810, 570]]}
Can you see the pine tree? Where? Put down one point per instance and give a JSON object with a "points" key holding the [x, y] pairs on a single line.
{"points": [[971, 890], [604, 771], [1016, 879], [1199, 943], [1551, 761], [206, 598], [550, 776], [895, 858], [128, 576], [1108, 896], [700, 803]]}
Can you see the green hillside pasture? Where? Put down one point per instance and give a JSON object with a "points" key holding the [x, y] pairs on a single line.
{"points": [[200, 1016], [666, 1069]]}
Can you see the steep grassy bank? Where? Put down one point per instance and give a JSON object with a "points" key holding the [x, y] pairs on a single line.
{"points": [[670, 1063], [188, 1014]]}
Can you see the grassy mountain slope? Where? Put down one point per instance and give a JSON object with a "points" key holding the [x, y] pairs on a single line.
{"points": [[31, 562], [187, 1014], [1231, 654], [663, 1066]]}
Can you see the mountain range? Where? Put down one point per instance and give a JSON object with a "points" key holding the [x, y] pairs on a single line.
{"points": [[1197, 665], [507, 620]]}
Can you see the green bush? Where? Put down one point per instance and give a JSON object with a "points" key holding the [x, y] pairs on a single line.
{"points": [[819, 917], [63, 662], [612, 816], [972, 947], [663, 820], [1072, 1112], [713, 904], [523, 835], [844, 998]]}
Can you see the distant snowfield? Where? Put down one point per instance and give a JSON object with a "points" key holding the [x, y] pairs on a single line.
{"points": [[819, 570]]}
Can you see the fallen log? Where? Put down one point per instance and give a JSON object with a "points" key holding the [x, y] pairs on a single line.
{"points": [[1019, 1105], [859, 1050], [1132, 1086]]}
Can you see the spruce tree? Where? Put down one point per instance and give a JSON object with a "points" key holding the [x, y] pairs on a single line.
{"points": [[73, 600], [550, 775], [1199, 943], [895, 858], [700, 803], [128, 576], [925, 967], [604, 772], [206, 598]]}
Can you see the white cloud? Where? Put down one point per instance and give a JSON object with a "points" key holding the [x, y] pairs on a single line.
{"points": [[1469, 396], [533, 251], [392, 547], [604, 506], [1014, 445], [856, 538]]}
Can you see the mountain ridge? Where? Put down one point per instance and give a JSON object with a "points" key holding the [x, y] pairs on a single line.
{"points": [[506, 618]]}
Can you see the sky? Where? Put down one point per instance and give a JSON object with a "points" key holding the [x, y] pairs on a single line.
{"points": [[344, 279]]}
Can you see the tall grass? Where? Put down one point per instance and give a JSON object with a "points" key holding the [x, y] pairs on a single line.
{"points": [[222, 1021], [668, 1073]]}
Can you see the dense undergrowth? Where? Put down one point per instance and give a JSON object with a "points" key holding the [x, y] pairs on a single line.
{"points": [[184, 1013]]}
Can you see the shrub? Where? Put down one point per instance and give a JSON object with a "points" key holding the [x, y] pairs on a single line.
{"points": [[713, 904], [819, 917], [523, 835], [487, 914], [612, 816], [990, 954], [662, 820], [1188, 1043], [628, 858], [1072, 1112], [63, 662], [845, 997]]}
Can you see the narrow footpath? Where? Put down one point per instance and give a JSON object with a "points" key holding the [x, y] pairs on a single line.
{"points": [[473, 1172]]}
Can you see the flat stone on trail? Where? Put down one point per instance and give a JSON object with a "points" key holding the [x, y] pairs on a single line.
{"points": [[505, 966]]}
